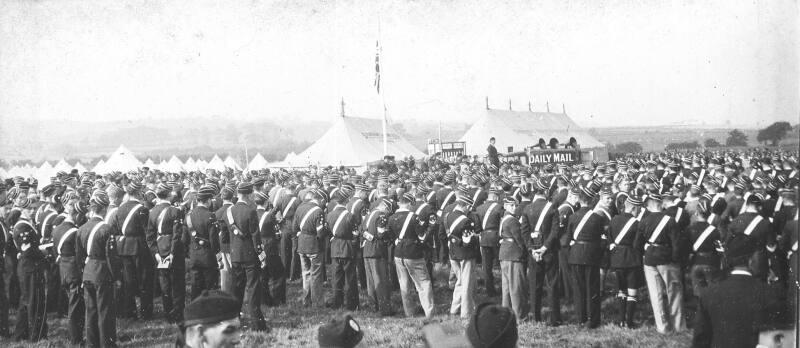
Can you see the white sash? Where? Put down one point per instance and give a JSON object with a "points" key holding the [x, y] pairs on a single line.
{"points": [[307, 215], [419, 209], [744, 202], [475, 196], [128, 218], [428, 197], [488, 212], [91, 239], [277, 196], [338, 221], [778, 205], [703, 237], [260, 221], [447, 198], [455, 224], [161, 219], [44, 224], [405, 226], [659, 229], [710, 219], [624, 230], [794, 246], [752, 225], [64, 238], [541, 217], [580, 225], [502, 222], [231, 221], [289, 205], [641, 214], [678, 215], [700, 177], [713, 201]]}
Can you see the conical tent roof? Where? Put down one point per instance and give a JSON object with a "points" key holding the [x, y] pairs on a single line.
{"points": [[231, 163], [163, 165], [44, 172], [122, 160], [201, 164], [353, 142], [149, 163], [258, 162], [99, 167], [3, 173], [62, 165], [174, 165], [79, 166], [190, 164], [216, 163]]}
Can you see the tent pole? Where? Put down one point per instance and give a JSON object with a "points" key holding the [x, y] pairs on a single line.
{"points": [[385, 146]]}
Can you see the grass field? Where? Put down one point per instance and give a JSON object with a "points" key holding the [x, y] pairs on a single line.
{"points": [[295, 326]]}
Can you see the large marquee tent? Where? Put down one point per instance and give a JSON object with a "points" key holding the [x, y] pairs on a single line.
{"points": [[520, 129], [352, 142]]}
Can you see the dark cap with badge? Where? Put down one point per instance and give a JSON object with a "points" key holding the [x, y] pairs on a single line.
{"points": [[343, 332]]}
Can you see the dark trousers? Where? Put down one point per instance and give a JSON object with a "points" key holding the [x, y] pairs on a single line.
{"points": [[273, 280], [296, 268], [75, 312], [137, 281], [32, 320], [56, 298], [203, 279], [11, 281], [101, 321], [361, 271], [489, 257], [245, 285], [345, 289], [286, 250], [3, 308], [543, 278], [172, 282], [565, 274], [586, 290]]}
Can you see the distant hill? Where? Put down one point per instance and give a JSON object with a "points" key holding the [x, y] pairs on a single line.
{"points": [[203, 137]]}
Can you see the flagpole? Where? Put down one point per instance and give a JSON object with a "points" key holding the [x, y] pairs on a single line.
{"points": [[378, 88]]}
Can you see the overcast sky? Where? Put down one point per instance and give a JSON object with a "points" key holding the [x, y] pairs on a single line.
{"points": [[611, 62]]}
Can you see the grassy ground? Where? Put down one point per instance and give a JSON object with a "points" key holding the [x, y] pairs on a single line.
{"points": [[295, 326]]}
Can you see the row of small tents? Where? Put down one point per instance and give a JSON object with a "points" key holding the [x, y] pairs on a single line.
{"points": [[123, 160]]}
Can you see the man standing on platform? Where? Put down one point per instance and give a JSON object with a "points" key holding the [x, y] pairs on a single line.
{"points": [[491, 154]]}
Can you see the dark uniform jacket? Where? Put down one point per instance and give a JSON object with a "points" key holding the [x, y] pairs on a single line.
{"points": [[65, 236], [730, 312], [586, 247], [539, 234], [789, 244], [560, 225], [410, 231], [242, 221], [489, 214], [342, 223], [426, 213], [667, 247], [623, 254], [269, 232], [717, 206], [358, 208], [132, 241], [203, 230], [46, 222], [512, 243], [308, 223], [224, 238], [444, 196], [478, 196], [165, 234], [376, 248], [456, 224], [96, 254], [702, 243], [761, 232], [680, 215], [31, 259]]}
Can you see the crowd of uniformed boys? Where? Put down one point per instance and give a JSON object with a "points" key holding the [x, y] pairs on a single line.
{"points": [[95, 248]]}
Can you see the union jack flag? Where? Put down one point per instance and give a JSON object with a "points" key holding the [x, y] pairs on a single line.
{"points": [[377, 82]]}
